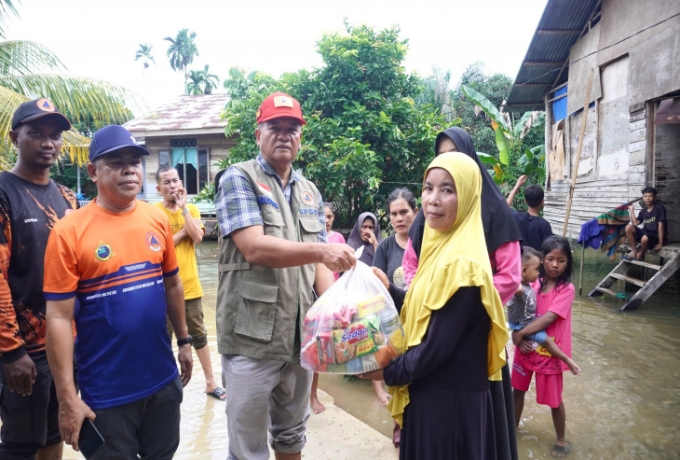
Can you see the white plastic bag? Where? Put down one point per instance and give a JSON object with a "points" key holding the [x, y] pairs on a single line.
{"points": [[353, 327]]}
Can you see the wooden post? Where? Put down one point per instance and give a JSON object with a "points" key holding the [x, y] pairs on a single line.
{"points": [[578, 151], [580, 275]]}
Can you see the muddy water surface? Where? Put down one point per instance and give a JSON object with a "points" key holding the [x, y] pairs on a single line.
{"points": [[624, 405]]}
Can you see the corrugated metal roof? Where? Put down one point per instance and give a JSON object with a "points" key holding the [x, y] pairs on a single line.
{"points": [[559, 28], [184, 113]]}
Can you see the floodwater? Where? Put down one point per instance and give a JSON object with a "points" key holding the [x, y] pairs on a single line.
{"points": [[625, 404]]}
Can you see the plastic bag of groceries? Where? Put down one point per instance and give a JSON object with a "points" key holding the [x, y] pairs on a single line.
{"points": [[353, 327]]}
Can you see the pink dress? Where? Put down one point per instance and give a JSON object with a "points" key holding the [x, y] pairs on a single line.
{"points": [[506, 265], [336, 237], [558, 301]]}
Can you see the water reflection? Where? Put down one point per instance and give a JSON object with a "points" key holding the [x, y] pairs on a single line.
{"points": [[625, 404]]}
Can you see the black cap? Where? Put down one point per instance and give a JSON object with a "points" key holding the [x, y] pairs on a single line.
{"points": [[111, 138], [39, 108]]}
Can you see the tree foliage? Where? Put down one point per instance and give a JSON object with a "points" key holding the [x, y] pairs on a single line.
{"points": [[29, 70], [144, 53], [365, 136], [496, 88], [202, 81], [181, 52], [513, 158]]}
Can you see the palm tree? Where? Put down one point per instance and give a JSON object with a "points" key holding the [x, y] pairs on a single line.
{"points": [[144, 52], [29, 70], [6, 9], [181, 52], [195, 85], [202, 81], [210, 81]]}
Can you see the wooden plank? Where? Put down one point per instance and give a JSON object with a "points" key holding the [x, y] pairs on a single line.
{"points": [[654, 283], [579, 148], [628, 279], [644, 264], [606, 291]]}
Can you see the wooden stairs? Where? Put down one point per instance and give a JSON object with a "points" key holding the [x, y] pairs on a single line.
{"points": [[670, 254]]}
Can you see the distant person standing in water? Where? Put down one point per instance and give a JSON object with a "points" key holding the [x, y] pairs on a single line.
{"points": [[187, 231]]}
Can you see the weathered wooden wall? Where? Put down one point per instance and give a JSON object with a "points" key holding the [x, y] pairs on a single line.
{"points": [[666, 172], [622, 149], [218, 148]]}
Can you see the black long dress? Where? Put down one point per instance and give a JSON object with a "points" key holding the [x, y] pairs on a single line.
{"points": [[450, 413]]}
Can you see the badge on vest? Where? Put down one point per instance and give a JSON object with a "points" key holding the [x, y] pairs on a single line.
{"points": [[307, 197], [309, 212], [264, 189], [262, 200]]}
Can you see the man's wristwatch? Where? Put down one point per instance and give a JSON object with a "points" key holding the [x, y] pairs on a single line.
{"points": [[186, 340]]}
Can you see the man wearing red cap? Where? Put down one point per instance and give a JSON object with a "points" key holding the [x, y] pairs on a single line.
{"points": [[274, 253], [30, 205]]}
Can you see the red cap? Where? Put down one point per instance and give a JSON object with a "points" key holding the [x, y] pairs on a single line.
{"points": [[278, 105]]}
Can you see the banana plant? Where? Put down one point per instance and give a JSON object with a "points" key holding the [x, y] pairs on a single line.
{"points": [[509, 138]]}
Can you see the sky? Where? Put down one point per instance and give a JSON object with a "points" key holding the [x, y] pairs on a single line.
{"points": [[99, 38]]}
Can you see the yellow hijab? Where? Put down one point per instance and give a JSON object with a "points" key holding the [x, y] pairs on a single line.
{"points": [[448, 261]]}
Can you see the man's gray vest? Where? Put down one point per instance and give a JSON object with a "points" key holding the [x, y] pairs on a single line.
{"points": [[257, 307]]}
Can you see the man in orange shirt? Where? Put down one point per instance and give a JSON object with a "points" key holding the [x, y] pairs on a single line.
{"points": [[117, 258]]}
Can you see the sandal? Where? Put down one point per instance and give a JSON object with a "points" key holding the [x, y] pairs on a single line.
{"points": [[218, 393], [558, 451]]}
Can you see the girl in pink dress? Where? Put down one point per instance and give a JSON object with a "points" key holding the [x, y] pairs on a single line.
{"points": [[554, 296]]}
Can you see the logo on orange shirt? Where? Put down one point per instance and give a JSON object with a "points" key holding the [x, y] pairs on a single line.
{"points": [[103, 252], [153, 241]]}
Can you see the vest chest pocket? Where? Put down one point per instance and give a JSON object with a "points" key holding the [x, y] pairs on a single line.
{"points": [[273, 221], [256, 311], [310, 228]]}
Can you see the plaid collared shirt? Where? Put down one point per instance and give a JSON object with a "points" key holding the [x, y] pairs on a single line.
{"points": [[236, 202]]}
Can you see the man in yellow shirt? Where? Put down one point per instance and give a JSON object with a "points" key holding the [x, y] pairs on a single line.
{"points": [[188, 230]]}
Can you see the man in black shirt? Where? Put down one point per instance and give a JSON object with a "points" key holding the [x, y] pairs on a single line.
{"points": [[30, 205], [532, 226]]}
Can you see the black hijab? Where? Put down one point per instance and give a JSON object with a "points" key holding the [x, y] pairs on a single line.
{"points": [[499, 225], [355, 242]]}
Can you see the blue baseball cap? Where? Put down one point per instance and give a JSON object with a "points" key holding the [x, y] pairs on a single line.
{"points": [[112, 138]]}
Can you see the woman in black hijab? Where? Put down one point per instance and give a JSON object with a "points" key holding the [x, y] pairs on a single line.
{"points": [[366, 235], [496, 215], [503, 245]]}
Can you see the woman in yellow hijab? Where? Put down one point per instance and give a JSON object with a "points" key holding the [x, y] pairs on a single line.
{"points": [[454, 325]]}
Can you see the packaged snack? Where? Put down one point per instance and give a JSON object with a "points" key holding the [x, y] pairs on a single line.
{"points": [[354, 341], [353, 327]]}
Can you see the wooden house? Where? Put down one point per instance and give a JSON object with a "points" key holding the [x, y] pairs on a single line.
{"points": [[187, 133], [629, 55]]}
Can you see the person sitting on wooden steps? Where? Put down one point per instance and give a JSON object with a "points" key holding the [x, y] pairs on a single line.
{"points": [[654, 230]]}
